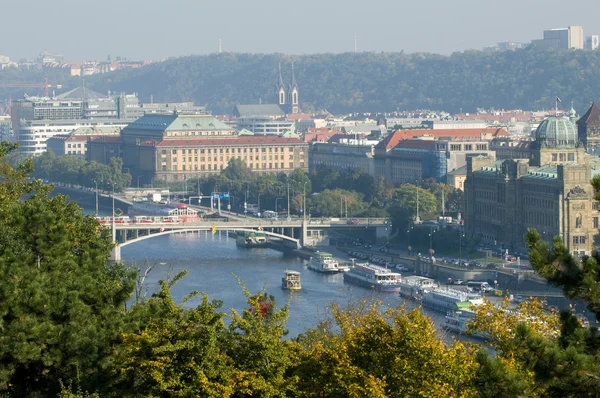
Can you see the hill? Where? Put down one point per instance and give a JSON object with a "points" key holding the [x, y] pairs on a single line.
{"points": [[366, 82]]}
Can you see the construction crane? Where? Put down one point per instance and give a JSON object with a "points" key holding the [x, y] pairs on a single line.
{"points": [[44, 85]]}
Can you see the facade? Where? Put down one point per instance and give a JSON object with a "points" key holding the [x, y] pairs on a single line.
{"points": [[342, 156], [511, 149], [592, 42], [175, 147], [564, 38], [264, 125], [456, 178], [550, 192], [6, 132], [75, 143], [588, 129]]}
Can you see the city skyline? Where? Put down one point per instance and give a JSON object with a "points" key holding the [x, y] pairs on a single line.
{"points": [[144, 30]]}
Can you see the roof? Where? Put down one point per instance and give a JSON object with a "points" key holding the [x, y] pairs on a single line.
{"points": [[299, 116], [177, 122], [417, 144], [461, 171], [258, 110], [245, 140], [591, 116], [392, 140], [546, 171], [79, 93]]}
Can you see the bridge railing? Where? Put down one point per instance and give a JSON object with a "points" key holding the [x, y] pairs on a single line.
{"points": [[253, 222]]}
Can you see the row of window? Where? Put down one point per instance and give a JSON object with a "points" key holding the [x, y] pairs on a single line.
{"points": [[226, 150], [563, 157], [210, 167], [227, 158], [195, 133], [468, 147], [579, 240]]}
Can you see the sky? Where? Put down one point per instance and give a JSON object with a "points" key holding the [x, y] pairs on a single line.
{"points": [[152, 29]]}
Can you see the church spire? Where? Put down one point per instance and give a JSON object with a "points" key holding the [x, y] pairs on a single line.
{"points": [[294, 84], [280, 78]]}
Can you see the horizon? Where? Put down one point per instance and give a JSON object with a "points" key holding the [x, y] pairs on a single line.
{"points": [[158, 33]]}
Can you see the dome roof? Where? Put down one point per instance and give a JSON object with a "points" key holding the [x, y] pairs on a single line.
{"points": [[556, 132]]}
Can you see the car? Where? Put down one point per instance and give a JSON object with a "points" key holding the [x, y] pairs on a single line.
{"points": [[518, 299], [367, 246], [511, 258], [492, 265], [353, 222]]}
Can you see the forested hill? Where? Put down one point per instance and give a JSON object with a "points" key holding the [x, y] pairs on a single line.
{"points": [[525, 79]]}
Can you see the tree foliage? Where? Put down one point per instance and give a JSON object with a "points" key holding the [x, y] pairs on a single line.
{"points": [[342, 83]]}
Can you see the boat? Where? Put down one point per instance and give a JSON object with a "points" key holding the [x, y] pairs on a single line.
{"points": [[291, 280], [251, 240], [324, 262], [445, 300], [171, 209], [412, 286], [456, 322], [374, 277]]}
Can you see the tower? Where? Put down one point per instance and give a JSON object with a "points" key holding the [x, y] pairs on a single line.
{"points": [[280, 94], [294, 94]]}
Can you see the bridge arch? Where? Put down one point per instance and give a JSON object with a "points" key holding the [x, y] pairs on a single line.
{"points": [[192, 229]]}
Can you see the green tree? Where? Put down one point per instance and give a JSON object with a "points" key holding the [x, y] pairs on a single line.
{"points": [[62, 307], [403, 208], [333, 203]]}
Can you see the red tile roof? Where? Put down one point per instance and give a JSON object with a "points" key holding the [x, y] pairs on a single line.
{"points": [[393, 139], [248, 140], [298, 116]]}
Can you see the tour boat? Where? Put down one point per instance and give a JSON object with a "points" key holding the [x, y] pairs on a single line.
{"points": [[172, 209], [251, 240], [291, 280], [412, 286], [374, 277], [324, 262], [445, 300], [456, 322]]}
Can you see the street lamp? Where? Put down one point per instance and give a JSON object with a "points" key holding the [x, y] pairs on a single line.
{"points": [[288, 200], [276, 199], [460, 245], [96, 182], [259, 202], [138, 182]]}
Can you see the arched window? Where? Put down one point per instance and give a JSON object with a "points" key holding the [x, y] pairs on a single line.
{"points": [[295, 98], [281, 99]]}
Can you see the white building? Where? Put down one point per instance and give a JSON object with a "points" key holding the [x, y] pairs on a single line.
{"points": [[592, 42], [459, 124], [563, 38], [265, 125]]}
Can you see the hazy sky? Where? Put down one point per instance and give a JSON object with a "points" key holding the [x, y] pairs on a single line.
{"points": [[152, 29]]}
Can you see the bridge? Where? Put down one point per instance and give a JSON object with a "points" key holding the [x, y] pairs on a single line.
{"points": [[296, 231]]}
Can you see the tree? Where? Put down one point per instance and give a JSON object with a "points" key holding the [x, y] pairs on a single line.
{"points": [[363, 352], [333, 203], [61, 306], [403, 208]]}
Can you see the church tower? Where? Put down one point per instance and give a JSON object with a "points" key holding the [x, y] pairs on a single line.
{"points": [[294, 94], [280, 94]]}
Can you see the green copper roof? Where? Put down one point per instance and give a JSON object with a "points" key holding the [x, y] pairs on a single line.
{"points": [[178, 122], [556, 132]]}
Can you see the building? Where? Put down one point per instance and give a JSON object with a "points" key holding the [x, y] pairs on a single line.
{"points": [[175, 147], [75, 143], [406, 156], [550, 192], [6, 132], [456, 178], [265, 125], [592, 42], [588, 129], [338, 156], [563, 38], [287, 101]]}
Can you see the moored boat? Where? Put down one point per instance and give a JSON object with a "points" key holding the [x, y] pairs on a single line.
{"points": [[445, 300], [324, 262], [291, 280], [412, 286], [457, 322], [251, 240], [374, 277]]}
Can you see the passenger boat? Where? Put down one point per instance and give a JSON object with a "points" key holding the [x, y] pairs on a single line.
{"points": [[412, 286], [324, 262], [374, 277], [291, 280], [251, 240], [173, 209], [457, 321], [445, 300]]}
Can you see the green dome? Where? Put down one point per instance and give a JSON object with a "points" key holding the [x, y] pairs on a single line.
{"points": [[556, 132]]}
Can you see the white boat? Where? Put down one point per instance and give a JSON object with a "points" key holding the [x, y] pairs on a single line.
{"points": [[324, 262], [445, 300], [456, 322], [374, 277], [291, 280], [412, 286]]}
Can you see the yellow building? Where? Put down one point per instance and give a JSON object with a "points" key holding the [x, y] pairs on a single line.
{"points": [[176, 147]]}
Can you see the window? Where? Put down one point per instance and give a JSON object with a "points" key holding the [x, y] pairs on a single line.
{"points": [[562, 157], [595, 222], [174, 152], [554, 157], [174, 160], [164, 168], [468, 147], [455, 147], [571, 157], [202, 150]]}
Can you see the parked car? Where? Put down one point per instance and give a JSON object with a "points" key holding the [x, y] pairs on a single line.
{"points": [[368, 246], [353, 222]]}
